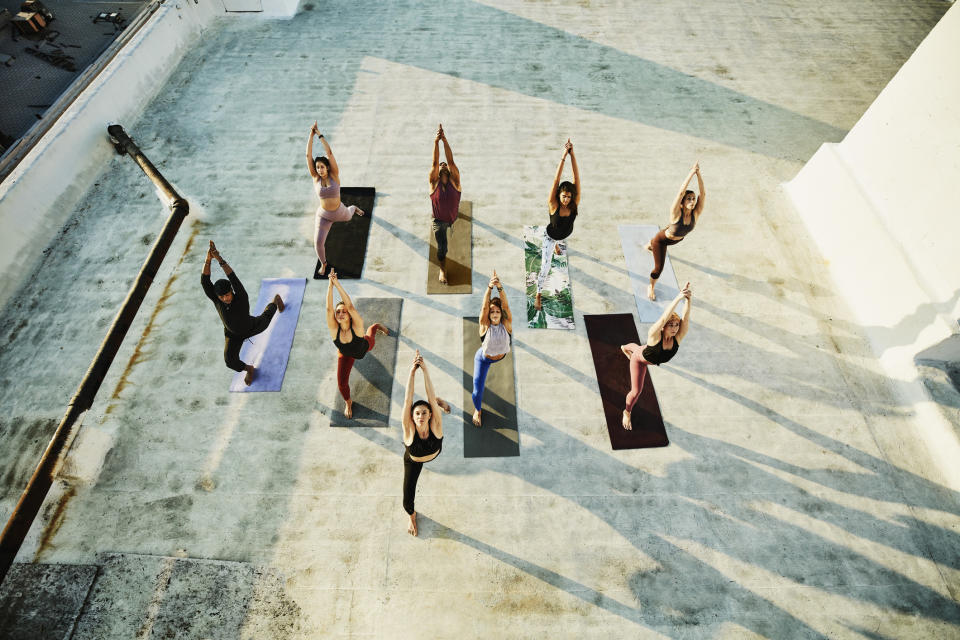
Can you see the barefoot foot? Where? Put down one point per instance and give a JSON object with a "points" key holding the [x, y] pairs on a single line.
{"points": [[625, 351], [360, 211], [537, 302], [476, 418], [323, 268], [443, 404], [348, 411], [383, 330], [412, 529], [650, 292], [626, 420], [277, 300], [248, 379], [649, 248], [556, 249]]}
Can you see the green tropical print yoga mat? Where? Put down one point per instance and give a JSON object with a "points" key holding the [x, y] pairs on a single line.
{"points": [[556, 299]]}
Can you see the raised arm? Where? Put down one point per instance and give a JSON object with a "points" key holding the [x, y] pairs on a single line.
{"points": [[554, 203], [406, 419], [311, 164], [485, 308], [448, 154], [685, 320], [436, 421], [356, 322], [703, 192], [435, 166], [205, 274], [576, 172], [331, 317], [334, 168], [507, 319], [675, 207], [653, 335]]}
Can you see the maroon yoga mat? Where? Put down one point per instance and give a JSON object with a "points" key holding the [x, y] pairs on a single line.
{"points": [[606, 333]]}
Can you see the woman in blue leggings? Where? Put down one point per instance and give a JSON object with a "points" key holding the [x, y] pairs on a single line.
{"points": [[496, 327]]}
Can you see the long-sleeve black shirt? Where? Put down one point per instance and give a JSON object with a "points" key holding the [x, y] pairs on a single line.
{"points": [[236, 315]]}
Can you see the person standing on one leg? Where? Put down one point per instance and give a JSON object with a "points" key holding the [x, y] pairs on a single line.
{"points": [[684, 213], [326, 182], [353, 342], [444, 197], [422, 435], [564, 202], [230, 299], [663, 341], [496, 328]]}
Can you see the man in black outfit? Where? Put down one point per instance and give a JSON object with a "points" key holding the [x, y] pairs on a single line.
{"points": [[230, 299]]}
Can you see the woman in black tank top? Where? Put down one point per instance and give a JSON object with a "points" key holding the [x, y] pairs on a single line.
{"points": [[353, 342], [684, 213], [663, 341], [422, 435], [564, 202]]}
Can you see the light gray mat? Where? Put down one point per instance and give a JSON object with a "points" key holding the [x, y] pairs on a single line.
{"points": [[634, 238], [499, 436]]}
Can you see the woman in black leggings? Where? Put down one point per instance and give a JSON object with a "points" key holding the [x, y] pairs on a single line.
{"points": [[422, 435], [684, 213]]}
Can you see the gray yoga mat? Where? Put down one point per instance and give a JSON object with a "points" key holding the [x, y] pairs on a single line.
{"points": [[499, 436], [269, 351], [634, 237], [459, 255], [371, 381]]}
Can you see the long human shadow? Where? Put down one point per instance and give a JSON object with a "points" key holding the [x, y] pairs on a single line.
{"points": [[574, 71]]}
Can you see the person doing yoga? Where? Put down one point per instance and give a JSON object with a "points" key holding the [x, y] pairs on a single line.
{"points": [[663, 341], [353, 342], [496, 327], [684, 213], [230, 299], [326, 182], [444, 197], [422, 435], [563, 202]]}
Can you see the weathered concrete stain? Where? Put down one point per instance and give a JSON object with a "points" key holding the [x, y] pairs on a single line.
{"points": [[59, 513]]}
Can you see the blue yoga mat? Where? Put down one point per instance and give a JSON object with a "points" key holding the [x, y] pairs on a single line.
{"points": [[269, 351], [634, 237]]}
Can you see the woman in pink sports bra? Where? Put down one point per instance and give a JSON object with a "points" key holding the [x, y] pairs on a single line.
{"points": [[326, 182]]}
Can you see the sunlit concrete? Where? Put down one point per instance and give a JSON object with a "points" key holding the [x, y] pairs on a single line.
{"points": [[796, 498]]}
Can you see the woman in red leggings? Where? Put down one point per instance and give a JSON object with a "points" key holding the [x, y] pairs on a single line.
{"points": [[684, 213], [346, 329], [663, 341]]}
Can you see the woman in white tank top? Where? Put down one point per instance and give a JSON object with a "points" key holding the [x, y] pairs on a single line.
{"points": [[496, 327]]}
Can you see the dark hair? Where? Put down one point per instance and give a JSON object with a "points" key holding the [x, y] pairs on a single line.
{"points": [[324, 160], [418, 403], [495, 302], [686, 193], [222, 287], [571, 188]]}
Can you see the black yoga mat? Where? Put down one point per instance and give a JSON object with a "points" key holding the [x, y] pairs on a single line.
{"points": [[606, 333], [459, 255], [499, 436], [347, 241], [371, 381]]}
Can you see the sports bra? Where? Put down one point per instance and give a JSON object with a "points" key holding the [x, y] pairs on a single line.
{"points": [[422, 447], [678, 229], [655, 353], [332, 190], [356, 348]]}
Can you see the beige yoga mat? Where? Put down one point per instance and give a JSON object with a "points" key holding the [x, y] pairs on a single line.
{"points": [[459, 255]]}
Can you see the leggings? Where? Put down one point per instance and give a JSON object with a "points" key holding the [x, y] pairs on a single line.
{"points": [[546, 259], [481, 365], [323, 221], [411, 472], [232, 341], [659, 244], [638, 375], [345, 363], [440, 229]]}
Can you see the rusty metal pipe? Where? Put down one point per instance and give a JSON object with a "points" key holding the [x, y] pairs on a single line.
{"points": [[39, 485]]}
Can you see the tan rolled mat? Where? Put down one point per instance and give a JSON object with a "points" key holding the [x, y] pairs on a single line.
{"points": [[499, 436], [371, 381], [606, 333], [459, 255]]}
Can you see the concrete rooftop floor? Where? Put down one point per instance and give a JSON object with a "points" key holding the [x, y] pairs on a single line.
{"points": [[796, 498]]}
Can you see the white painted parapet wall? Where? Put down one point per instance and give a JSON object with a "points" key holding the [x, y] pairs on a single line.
{"points": [[884, 209], [41, 192]]}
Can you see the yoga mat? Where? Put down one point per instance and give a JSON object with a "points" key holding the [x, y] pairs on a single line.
{"points": [[269, 351], [499, 436], [634, 237], [606, 333], [371, 381], [347, 241], [556, 299], [459, 255]]}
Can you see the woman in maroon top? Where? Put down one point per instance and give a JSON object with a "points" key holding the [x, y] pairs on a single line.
{"points": [[663, 341], [346, 329], [684, 213], [444, 196]]}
